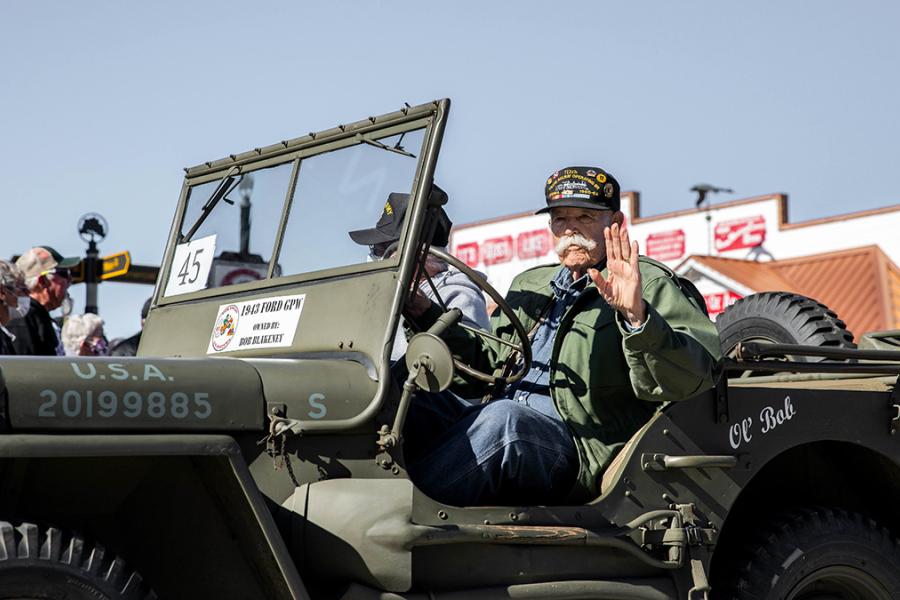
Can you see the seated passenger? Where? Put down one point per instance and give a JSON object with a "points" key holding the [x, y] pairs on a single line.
{"points": [[612, 336], [456, 290]]}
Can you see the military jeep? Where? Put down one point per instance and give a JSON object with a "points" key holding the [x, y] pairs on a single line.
{"points": [[254, 448]]}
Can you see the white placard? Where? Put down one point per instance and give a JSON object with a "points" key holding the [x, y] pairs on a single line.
{"points": [[255, 324], [190, 266]]}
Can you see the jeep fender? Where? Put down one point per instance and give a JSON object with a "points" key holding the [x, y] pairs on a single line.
{"points": [[182, 509]]}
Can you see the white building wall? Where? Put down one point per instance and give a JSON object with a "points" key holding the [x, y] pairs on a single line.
{"points": [[782, 241], [752, 228]]}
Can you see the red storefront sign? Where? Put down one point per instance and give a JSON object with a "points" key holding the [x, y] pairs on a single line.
{"points": [[533, 244], [497, 250], [666, 245], [716, 303], [740, 233], [468, 253]]}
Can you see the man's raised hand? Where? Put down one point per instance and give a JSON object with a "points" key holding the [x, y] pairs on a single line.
{"points": [[622, 286]]}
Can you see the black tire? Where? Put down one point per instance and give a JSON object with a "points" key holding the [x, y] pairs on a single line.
{"points": [[782, 318], [51, 565], [818, 554]]}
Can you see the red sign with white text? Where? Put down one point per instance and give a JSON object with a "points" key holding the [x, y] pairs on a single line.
{"points": [[740, 233], [666, 245], [468, 253], [497, 250], [716, 303], [533, 244]]}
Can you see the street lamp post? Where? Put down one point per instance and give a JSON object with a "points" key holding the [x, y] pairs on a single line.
{"points": [[702, 190], [92, 228], [245, 188]]}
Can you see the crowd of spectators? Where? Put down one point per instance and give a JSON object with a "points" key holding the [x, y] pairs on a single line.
{"points": [[32, 287]]}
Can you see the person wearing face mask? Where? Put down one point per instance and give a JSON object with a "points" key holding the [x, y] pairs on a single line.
{"points": [[82, 335], [14, 303], [47, 276]]}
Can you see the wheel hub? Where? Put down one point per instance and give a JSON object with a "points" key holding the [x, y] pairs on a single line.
{"points": [[838, 582]]}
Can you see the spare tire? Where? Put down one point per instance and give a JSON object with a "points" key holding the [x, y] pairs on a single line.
{"points": [[782, 318]]}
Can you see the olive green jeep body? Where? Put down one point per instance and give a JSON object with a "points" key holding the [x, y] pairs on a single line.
{"points": [[253, 449]]}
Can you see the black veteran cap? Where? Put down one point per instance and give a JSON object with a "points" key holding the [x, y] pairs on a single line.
{"points": [[390, 225], [581, 187]]}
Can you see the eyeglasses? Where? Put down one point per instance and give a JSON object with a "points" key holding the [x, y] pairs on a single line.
{"points": [[382, 250], [559, 221], [65, 274]]}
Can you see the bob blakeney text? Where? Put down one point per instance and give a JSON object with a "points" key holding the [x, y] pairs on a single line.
{"points": [[769, 418]]}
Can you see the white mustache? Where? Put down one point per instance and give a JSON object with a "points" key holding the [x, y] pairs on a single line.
{"points": [[574, 240]]}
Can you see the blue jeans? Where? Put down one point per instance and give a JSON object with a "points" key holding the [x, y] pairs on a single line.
{"points": [[503, 452]]}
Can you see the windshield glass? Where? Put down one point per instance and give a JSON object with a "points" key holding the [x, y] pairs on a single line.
{"points": [[339, 192], [336, 192]]}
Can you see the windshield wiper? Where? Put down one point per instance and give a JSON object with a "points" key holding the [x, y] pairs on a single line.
{"points": [[225, 187], [395, 148]]}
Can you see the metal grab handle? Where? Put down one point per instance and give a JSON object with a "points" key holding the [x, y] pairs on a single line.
{"points": [[664, 462], [748, 351]]}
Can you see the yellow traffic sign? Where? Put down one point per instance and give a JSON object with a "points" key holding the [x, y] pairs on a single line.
{"points": [[78, 273], [115, 265]]}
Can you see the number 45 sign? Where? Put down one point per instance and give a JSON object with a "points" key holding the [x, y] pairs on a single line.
{"points": [[190, 266]]}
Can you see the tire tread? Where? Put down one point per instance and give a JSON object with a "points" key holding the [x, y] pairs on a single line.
{"points": [[810, 322], [29, 543], [789, 532]]}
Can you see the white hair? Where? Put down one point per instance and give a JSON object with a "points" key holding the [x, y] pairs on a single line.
{"points": [[10, 275], [78, 328]]}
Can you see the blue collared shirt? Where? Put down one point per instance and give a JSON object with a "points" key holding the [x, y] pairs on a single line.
{"points": [[534, 389]]}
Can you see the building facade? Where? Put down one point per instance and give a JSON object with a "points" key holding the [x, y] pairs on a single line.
{"points": [[730, 250]]}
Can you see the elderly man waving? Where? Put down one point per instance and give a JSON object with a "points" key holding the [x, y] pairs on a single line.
{"points": [[613, 337]]}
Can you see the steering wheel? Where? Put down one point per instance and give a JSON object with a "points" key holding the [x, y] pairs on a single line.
{"points": [[523, 348]]}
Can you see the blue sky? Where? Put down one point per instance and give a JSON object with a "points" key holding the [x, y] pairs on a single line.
{"points": [[103, 103]]}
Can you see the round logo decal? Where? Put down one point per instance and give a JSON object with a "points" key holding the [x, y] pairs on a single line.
{"points": [[226, 323]]}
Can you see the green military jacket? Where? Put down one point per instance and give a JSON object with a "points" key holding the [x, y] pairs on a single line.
{"points": [[606, 382]]}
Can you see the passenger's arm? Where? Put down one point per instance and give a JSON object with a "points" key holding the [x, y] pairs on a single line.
{"points": [[470, 301]]}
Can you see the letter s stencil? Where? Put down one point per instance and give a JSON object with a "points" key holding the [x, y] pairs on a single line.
{"points": [[319, 409]]}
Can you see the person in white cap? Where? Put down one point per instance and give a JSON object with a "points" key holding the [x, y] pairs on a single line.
{"points": [[48, 276]]}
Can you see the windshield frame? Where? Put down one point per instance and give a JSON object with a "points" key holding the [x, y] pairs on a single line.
{"points": [[297, 151], [180, 329]]}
